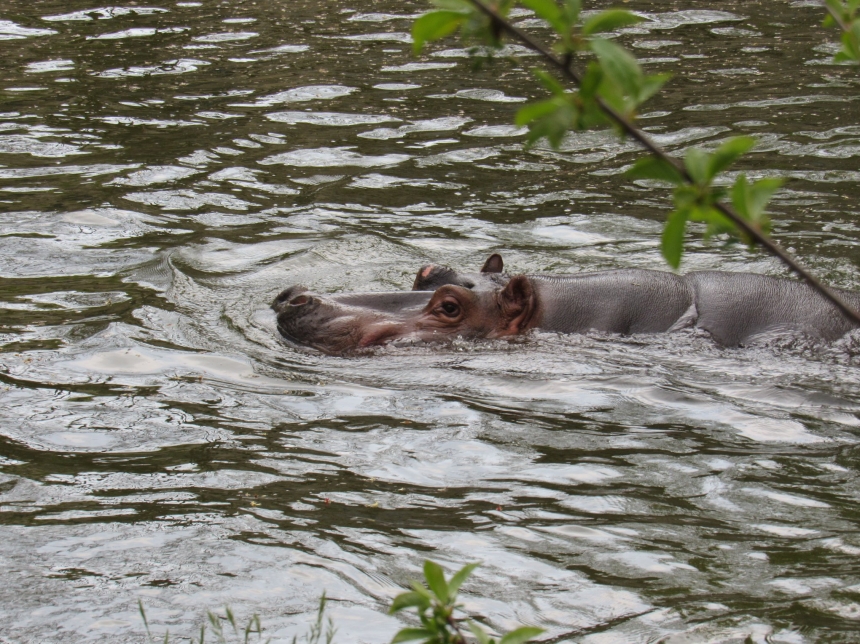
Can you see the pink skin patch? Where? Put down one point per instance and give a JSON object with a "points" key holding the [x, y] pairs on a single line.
{"points": [[427, 271]]}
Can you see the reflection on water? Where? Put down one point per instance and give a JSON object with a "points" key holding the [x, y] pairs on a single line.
{"points": [[168, 168]]}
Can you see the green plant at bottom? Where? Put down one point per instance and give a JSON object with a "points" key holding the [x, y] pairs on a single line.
{"points": [[315, 634], [253, 627], [436, 604]]}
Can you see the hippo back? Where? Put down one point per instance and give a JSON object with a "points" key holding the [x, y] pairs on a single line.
{"points": [[620, 301], [736, 307]]}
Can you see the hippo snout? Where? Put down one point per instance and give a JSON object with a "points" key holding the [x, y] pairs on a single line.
{"points": [[341, 323]]}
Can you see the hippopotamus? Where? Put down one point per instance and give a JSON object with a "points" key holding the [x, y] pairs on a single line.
{"points": [[733, 308]]}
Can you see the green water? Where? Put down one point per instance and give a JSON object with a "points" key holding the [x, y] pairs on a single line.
{"points": [[166, 169]]}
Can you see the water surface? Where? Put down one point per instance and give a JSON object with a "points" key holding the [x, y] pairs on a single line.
{"points": [[165, 169]]}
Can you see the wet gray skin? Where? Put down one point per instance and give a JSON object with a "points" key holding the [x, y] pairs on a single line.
{"points": [[733, 308]]}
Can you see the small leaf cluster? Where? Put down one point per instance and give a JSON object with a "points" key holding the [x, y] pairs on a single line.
{"points": [[844, 14], [462, 15], [696, 196], [436, 604], [613, 75]]}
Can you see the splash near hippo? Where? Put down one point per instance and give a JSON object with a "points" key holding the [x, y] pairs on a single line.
{"points": [[734, 308]]}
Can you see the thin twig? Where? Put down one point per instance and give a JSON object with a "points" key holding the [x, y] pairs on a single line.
{"points": [[837, 18], [645, 141], [459, 639]]}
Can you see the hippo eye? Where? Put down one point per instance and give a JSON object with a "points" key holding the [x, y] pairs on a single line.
{"points": [[451, 309]]}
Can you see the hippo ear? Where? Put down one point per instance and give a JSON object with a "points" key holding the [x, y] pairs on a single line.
{"points": [[432, 276], [422, 277], [518, 305], [494, 264]]}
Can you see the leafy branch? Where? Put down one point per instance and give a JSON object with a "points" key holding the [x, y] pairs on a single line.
{"points": [[843, 13], [436, 605], [609, 92]]}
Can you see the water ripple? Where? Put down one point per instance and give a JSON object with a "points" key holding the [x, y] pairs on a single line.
{"points": [[161, 441]]}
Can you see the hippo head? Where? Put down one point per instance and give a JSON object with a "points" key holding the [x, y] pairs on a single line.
{"points": [[432, 276], [343, 324]]}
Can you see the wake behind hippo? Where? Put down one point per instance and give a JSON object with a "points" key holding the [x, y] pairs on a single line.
{"points": [[733, 308]]}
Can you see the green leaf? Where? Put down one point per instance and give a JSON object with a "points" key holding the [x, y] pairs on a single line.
{"points": [[549, 81], [686, 196], [408, 600], [652, 167], [461, 6], [409, 634], [835, 6], [231, 619], [554, 124], [613, 95], [479, 633], [521, 635], [750, 200], [696, 162], [673, 236], [619, 65], [534, 111], [717, 222], [571, 10], [697, 213], [143, 616], [588, 113], [727, 153], [651, 85], [849, 48], [433, 26], [591, 81], [854, 36], [549, 11], [610, 20], [459, 577], [760, 195], [419, 588], [254, 626], [740, 193], [435, 577]]}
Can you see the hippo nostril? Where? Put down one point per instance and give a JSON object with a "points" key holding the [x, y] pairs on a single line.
{"points": [[301, 300], [287, 294], [283, 296]]}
